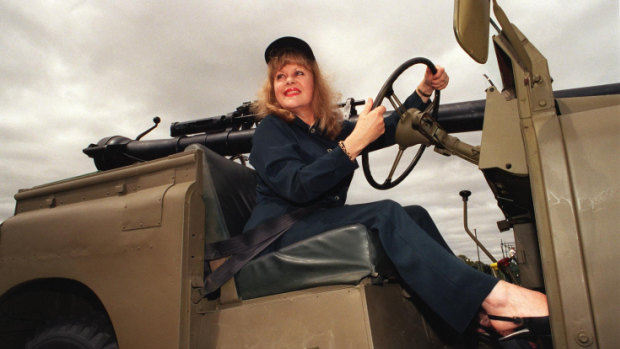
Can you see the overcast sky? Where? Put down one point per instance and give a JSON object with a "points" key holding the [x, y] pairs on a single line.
{"points": [[73, 72]]}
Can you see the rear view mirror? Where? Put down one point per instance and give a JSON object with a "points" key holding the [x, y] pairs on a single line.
{"points": [[471, 27]]}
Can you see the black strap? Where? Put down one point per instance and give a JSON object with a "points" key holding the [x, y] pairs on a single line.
{"points": [[242, 248]]}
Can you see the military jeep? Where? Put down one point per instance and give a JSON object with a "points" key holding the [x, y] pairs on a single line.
{"points": [[116, 258]]}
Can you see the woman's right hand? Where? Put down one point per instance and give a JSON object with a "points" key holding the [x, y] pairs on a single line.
{"points": [[369, 127]]}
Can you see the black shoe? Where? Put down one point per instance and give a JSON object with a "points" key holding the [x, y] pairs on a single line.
{"points": [[527, 327]]}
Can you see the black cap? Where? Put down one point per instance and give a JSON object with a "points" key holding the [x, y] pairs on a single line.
{"points": [[288, 43]]}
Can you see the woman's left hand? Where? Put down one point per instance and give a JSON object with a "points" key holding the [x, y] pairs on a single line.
{"points": [[431, 82], [439, 80]]}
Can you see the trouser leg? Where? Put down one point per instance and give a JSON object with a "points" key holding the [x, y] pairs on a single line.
{"points": [[450, 287], [419, 215]]}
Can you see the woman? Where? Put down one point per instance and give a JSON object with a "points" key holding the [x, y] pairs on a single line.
{"points": [[304, 154]]}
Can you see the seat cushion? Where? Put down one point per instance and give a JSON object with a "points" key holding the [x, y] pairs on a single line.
{"points": [[340, 256]]}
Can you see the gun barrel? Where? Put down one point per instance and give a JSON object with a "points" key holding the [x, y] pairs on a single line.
{"points": [[117, 151]]}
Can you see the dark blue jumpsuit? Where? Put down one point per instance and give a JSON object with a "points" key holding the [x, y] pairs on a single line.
{"points": [[298, 166]]}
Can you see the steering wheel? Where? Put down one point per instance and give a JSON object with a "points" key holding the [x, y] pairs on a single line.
{"points": [[387, 91]]}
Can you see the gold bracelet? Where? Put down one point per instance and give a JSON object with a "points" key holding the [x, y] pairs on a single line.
{"points": [[422, 93], [344, 149]]}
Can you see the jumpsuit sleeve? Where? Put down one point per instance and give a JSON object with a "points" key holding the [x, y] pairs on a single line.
{"points": [[279, 157]]}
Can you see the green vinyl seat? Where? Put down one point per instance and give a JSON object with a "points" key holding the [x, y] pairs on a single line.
{"points": [[340, 256]]}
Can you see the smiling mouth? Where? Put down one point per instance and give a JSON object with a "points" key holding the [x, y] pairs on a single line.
{"points": [[291, 92]]}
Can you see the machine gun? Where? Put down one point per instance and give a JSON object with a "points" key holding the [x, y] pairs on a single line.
{"points": [[231, 134]]}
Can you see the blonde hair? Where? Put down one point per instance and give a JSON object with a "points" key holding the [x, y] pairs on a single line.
{"points": [[324, 100]]}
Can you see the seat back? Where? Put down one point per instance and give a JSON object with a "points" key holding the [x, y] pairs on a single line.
{"points": [[229, 194]]}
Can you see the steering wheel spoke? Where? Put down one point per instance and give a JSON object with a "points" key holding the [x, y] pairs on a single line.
{"points": [[388, 92], [396, 104], [433, 107], [399, 155]]}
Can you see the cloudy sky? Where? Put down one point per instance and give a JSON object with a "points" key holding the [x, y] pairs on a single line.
{"points": [[73, 72]]}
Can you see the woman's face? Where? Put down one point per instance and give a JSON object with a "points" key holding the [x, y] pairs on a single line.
{"points": [[293, 86]]}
